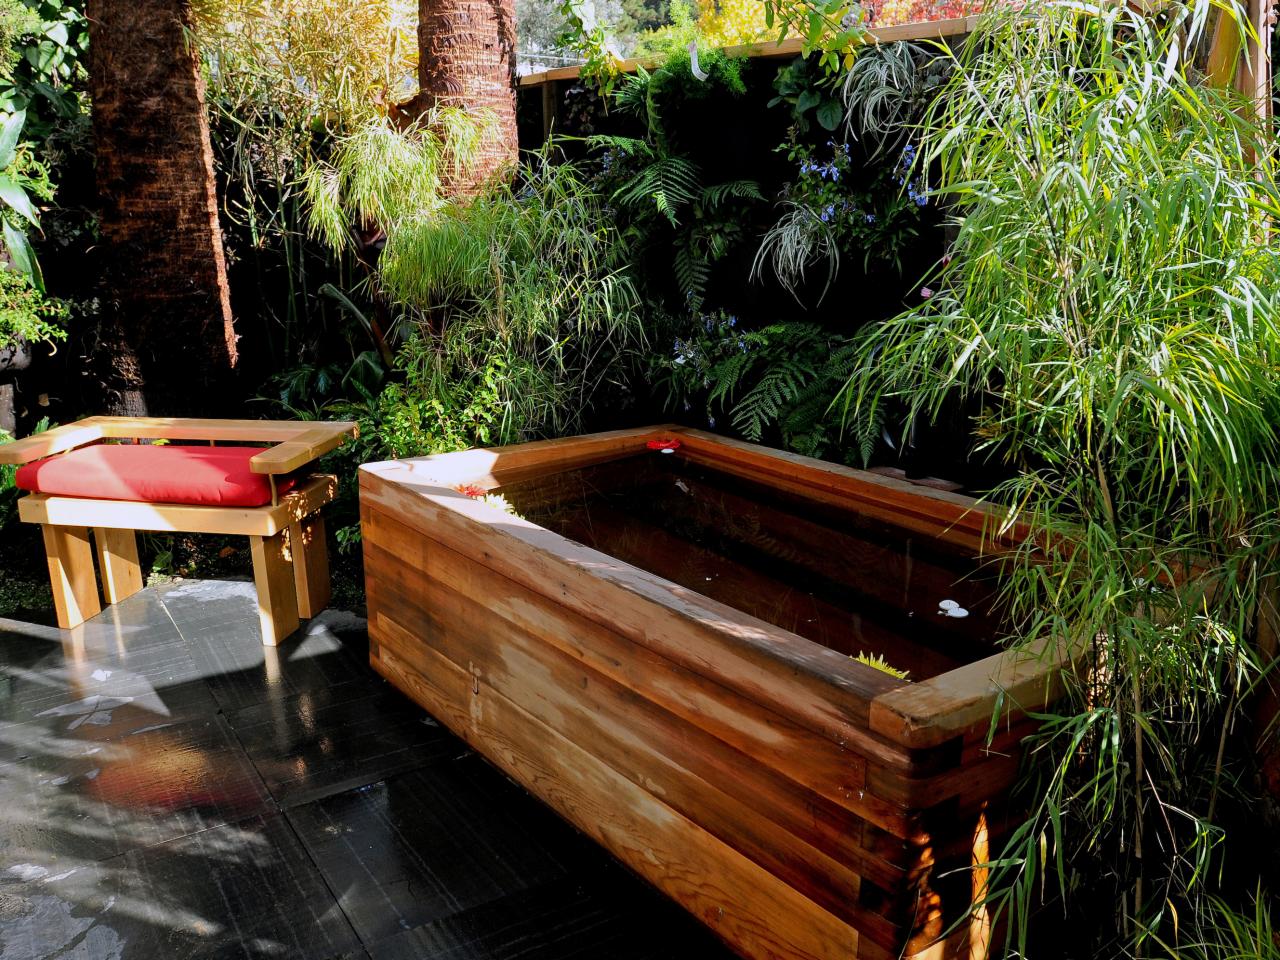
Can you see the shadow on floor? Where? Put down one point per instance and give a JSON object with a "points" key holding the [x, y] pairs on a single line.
{"points": [[170, 788]]}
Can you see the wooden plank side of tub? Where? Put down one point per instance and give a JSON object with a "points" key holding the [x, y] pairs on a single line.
{"points": [[646, 719], [756, 913], [490, 466], [633, 740], [799, 753], [953, 518], [923, 767], [815, 686]]}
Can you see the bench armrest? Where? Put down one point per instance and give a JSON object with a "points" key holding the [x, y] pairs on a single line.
{"points": [[296, 443], [290, 455], [57, 440]]}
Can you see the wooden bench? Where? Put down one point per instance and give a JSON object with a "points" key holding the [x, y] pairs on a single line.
{"points": [[287, 535]]}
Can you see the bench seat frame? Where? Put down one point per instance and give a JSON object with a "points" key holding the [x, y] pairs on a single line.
{"points": [[286, 537]]}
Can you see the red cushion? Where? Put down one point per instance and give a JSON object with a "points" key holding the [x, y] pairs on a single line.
{"points": [[213, 476]]}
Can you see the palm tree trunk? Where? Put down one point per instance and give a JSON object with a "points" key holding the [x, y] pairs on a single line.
{"points": [[167, 335], [467, 58]]}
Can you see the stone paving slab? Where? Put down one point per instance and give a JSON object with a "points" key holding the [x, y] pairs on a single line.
{"points": [[171, 788]]}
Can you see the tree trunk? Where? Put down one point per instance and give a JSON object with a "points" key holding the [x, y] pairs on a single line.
{"points": [[467, 58], [167, 337]]}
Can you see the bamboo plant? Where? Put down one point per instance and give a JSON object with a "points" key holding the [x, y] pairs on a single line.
{"points": [[1110, 312]]}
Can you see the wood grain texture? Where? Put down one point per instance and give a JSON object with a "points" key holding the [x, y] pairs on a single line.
{"points": [[799, 803], [277, 594], [744, 904], [302, 440], [309, 551], [266, 521], [57, 440], [75, 588], [118, 563]]}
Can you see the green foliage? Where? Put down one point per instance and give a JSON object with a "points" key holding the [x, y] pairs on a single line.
{"points": [[782, 376], [1224, 933], [381, 177], [585, 35], [1112, 312], [888, 89], [17, 20], [8, 491], [829, 208], [288, 68], [287, 80], [832, 29], [26, 314], [660, 189], [811, 94], [519, 311], [672, 37], [47, 43]]}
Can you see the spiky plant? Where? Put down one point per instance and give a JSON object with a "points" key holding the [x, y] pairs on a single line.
{"points": [[518, 308], [1111, 311]]}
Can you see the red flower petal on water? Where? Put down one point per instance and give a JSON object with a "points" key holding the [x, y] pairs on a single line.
{"points": [[663, 444], [472, 491]]}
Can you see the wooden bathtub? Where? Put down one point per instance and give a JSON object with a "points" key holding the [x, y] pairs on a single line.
{"points": [[800, 803]]}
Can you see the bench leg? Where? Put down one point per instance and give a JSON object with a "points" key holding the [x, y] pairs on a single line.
{"points": [[75, 588], [310, 564], [118, 563], [277, 594]]}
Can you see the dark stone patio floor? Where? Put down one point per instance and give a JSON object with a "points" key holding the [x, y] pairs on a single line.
{"points": [[169, 788]]}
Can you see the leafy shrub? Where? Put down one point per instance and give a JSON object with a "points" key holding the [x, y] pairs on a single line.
{"points": [[1112, 311], [660, 189], [26, 314], [518, 309], [828, 210], [782, 376]]}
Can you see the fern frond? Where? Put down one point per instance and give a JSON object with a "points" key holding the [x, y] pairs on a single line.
{"points": [[631, 146], [670, 183], [767, 399], [867, 430], [729, 374], [713, 196], [692, 273]]}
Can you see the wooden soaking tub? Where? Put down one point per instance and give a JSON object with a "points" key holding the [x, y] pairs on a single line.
{"points": [[705, 719]]}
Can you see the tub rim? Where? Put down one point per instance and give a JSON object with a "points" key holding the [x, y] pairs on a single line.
{"points": [[916, 715]]}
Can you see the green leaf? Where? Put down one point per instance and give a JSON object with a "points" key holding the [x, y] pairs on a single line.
{"points": [[22, 256], [830, 114], [16, 199], [9, 135], [808, 100]]}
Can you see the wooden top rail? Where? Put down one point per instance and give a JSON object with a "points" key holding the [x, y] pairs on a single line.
{"points": [[294, 442], [929, 30]]}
